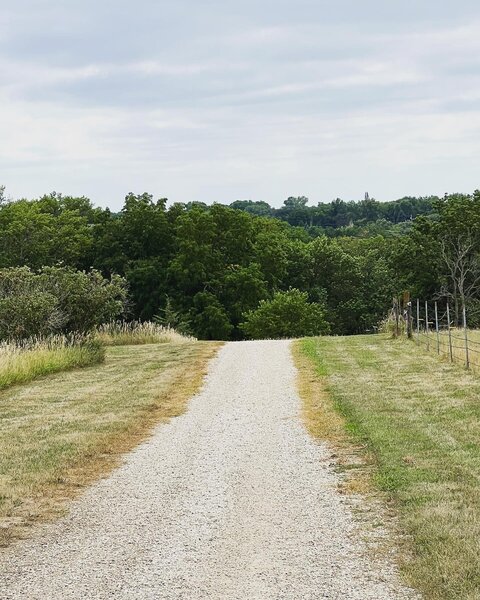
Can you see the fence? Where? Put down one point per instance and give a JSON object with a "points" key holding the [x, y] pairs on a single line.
{"points": [[434, 325]]}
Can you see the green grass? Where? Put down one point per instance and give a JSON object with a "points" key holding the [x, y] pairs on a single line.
{"points": [[34, 358], [61, 432], [419, 418]]}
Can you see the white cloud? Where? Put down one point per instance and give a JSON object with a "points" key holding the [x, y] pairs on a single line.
{"points": [[224, 108]]}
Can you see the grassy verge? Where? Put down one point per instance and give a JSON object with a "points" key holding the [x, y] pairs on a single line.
{"points": [[418, 417], [20, 363], [60, 433]]}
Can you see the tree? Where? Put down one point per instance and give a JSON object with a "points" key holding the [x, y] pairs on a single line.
{"points": [[43, 232], [444, 251], [169, 317], [209, 318], [86, 298], [458, 235], [287, 314], [339, 274]]}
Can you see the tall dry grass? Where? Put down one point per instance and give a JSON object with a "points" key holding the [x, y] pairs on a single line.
{"points": [[22, 361], [440, 344], [122, 333]]}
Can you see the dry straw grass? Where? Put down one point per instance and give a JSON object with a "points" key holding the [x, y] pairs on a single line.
{"points": [[119, 333], [441, 345]]}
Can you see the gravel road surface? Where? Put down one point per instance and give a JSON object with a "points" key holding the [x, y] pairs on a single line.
{"points": [[232, 500]]}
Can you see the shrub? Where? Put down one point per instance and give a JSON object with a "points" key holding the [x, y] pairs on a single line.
{"points": [[56, 299], [288, 314]]}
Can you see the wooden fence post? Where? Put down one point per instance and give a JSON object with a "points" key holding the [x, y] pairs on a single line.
{"points": [[409, 320], [397, 317]]}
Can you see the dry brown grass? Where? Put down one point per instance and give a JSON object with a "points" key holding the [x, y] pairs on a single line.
{"points": [[61, 433], [440, 344]]}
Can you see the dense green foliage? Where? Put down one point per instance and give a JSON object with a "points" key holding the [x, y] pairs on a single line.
{"points": [[203, 268], [441, 255], [287, 314], [56, 299]]}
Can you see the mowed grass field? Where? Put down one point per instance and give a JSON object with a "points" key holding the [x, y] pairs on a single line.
{"points": [[416, 419], [59, 433]]}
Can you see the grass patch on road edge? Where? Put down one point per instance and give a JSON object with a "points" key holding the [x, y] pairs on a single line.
{"points": [[63, 432], [324, 419], [418, 418]]}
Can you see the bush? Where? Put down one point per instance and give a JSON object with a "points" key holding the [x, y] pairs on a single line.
{"points": [[288, 314], [55, 300]]}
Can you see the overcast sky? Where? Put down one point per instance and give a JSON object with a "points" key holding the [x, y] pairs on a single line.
{"points": [[219, 100]]}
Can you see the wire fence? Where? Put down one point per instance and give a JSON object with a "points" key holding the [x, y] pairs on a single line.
{"points": [[439, 329]]}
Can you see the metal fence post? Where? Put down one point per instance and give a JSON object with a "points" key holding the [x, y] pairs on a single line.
{"points": [[449, 333], [418, 321], [426, 324], [436, 328], [467, 358]]}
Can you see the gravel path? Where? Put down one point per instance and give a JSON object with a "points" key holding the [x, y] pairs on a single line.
{"points": [[232, 500]]}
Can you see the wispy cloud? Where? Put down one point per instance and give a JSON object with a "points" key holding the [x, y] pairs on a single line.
{"points": [[261, 100]]}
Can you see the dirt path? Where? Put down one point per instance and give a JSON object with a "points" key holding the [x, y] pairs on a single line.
{"points": [[232, 500]]}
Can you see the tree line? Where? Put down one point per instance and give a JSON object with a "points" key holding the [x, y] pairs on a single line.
{"points": [[224, 272], [339, 218]]}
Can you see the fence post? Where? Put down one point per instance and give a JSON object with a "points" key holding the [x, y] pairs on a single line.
{"points": [[449, 333], [436, 328], [426, 324], [418, 321], [397, 317], [409, 320], [467, 358]]}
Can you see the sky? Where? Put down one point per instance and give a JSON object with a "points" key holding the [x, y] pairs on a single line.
{"points": [[221, 100]]}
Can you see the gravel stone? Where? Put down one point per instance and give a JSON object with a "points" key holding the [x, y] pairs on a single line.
{"points": [[232, 500]]}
